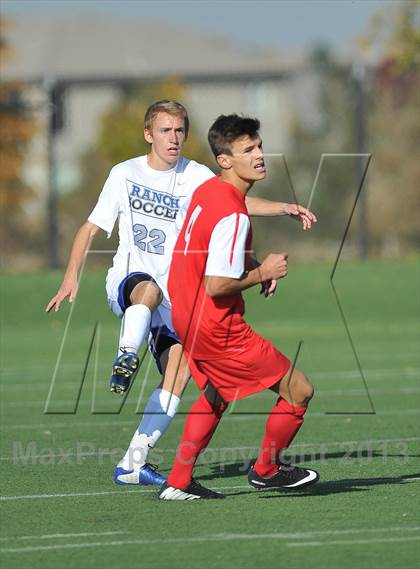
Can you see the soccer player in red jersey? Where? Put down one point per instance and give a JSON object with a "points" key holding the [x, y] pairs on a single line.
{"points": [[211, 266]]}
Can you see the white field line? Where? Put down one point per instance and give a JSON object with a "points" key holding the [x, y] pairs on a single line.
{"points": [[262, 395], [233, 415], [121, 492], [320, 393], [127, 491], [390, 391], [74, 385], [64, 535], [228, 537], [353, 541], [315, 375], [297, 535], [302, 447], [79, 494], [318, 533]]}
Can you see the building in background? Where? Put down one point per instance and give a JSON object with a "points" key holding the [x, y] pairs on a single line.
{"points": [[91, 59], [77, 71]]}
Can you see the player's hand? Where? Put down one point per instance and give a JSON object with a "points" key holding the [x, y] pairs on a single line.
{"points": [[301, 214], [268, 288], [67, 289], [274, 267]]}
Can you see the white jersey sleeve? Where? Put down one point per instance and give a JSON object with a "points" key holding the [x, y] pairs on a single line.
{"points": [[107, 208], [227, 247]]}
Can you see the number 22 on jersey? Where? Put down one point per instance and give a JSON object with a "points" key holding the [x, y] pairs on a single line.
{"points": [[156, 239]]}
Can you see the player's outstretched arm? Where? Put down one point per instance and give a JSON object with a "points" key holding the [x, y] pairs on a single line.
{"points": [[273, 267], [259, 207], [80, 247]]}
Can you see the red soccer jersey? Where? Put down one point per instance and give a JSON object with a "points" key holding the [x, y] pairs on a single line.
{"points": [[215, 240]]}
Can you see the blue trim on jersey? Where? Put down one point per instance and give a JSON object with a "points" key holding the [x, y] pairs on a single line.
{"points": [[155, 334], [122, 285]]}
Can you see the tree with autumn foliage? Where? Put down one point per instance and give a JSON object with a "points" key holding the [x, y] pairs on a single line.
{"points": [[390, 53], [394, 128], [17, 127]]}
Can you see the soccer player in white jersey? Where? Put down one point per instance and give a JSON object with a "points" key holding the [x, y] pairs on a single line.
{"points": [[147, 194]]}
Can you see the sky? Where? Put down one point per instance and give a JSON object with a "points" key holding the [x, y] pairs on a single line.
{"points": [[276, 24]]}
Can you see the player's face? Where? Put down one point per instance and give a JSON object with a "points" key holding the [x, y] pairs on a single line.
{"points": [[167, 137], [247, 160]]}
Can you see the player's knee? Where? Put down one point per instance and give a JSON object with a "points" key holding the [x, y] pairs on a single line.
{"points": [[303, 389], [154, 292], [147, 293], [307, 390]]}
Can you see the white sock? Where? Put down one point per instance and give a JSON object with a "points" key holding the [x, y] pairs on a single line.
{"points": [[135, 327], [158, 414]]}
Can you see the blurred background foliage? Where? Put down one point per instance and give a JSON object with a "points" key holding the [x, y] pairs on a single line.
{"points": [[17, 128], [392, 137], [391, 87], [394, 129]]}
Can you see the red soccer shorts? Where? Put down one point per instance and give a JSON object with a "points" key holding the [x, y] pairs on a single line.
{"points": [[239, 374]]}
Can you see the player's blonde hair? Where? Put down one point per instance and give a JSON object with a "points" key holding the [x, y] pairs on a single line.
{"points": [[169, 106]]}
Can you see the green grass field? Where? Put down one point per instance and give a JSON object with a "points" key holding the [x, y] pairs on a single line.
{"points": [[61, 509]]}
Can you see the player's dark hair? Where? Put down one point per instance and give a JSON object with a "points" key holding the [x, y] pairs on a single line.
{"points": [[169, 106], [228, 128]]}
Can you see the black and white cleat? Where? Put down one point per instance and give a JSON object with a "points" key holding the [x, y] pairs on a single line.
{"points": [[194, 491], [287, 476]]}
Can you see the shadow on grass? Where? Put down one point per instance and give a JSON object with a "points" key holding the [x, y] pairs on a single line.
{"points": [[241, 467], [342, 486]]}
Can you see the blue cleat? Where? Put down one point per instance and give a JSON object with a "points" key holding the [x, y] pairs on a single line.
{"points": [[146, 476], [124, 370]]}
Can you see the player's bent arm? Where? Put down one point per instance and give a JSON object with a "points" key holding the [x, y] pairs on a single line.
{"points": [[272, 268], [226, 286], [80, 247]]}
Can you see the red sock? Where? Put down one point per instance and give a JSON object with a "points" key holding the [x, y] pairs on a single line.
{"points": [[200, 425], [283, 423]]}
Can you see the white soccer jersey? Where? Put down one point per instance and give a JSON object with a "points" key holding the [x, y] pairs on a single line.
{"points": [[147, 203]]}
